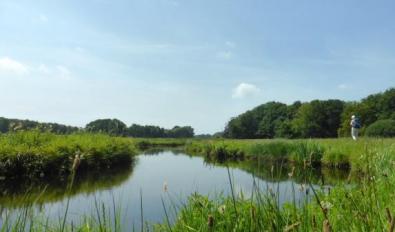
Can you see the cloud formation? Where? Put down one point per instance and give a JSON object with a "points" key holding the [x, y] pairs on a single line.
{"points": [[244, 90], [64, 72], [9, 65]]}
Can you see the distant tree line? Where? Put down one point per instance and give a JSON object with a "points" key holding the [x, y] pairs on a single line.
{"points": [[11, 125], [113, 127], [117, 127], [316, 119]]}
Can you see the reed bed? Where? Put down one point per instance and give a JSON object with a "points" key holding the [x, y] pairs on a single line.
{"points": [[33, 155], [341, 153]]}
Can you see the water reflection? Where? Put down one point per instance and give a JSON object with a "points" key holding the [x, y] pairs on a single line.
{"points": [[18, 193], [183, 175], [277, 172]]}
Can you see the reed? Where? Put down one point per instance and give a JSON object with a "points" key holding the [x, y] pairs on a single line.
{"points": [[35, 155]]}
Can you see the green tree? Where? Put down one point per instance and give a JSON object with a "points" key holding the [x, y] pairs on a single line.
{"points": [[108, 126], [381, 128], [318, 119], [4, 125]]}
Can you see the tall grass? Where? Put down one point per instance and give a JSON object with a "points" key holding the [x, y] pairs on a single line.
{"points": [[35, 155], [366, 205], [342, 153]]}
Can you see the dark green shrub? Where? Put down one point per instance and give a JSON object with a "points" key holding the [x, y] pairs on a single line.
{"points": [[381, 128]]}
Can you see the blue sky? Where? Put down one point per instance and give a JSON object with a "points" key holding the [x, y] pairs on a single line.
{"points": [[198, 63]]}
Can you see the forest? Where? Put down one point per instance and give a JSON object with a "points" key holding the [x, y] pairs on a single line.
{"points": [[316, 119], [112, 127]]}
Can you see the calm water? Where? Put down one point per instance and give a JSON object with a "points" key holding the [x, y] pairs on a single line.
{"points": [[182, 174]]}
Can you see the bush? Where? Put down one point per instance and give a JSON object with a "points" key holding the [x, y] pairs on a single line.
{"points": [[381, 128]]}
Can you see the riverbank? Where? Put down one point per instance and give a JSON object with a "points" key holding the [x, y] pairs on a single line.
{"points": [[366, 205], [340, 153], [35, 155]]}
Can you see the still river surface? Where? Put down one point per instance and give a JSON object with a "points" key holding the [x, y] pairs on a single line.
{"points": [[167, 174]]}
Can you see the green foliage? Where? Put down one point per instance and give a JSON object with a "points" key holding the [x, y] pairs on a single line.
{"points": [[180, 132], [148, 131], [381, 128], [108, 126], [315, 119], [12, 125], [370, 109], [318, 119], [363, 206], [275, 151], [265, 121], [35, 155], [307, 152], [343, 153]]}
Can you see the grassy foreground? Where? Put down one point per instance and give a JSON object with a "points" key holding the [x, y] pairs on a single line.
{"points": [[366, 205]]}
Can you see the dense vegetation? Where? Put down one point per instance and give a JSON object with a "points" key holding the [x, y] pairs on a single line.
{"points": [[112, 127], [118, 128], [341, 153], [381, 128], [11, 125], [34, 155], [363, 206], [315, 119]]}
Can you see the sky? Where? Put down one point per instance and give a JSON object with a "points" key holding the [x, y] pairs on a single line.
{"points": [[190, 62]]}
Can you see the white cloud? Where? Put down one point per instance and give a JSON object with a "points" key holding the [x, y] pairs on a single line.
{"points": [[44, 69], [225, 55], [9, 65], [230, 44], [43, 18], [244, 90], [63, 72]]}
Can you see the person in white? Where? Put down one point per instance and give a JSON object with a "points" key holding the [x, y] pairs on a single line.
{"points": [[355, 125]]}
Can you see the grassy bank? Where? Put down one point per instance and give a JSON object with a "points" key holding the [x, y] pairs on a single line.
{"points": [[144, 143], [364, 206], [344, 152], [35, 155]]}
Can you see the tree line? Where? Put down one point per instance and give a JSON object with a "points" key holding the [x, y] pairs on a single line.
{"points": [[316, 119], [113, 127], [117, 127], [11, 125]]}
